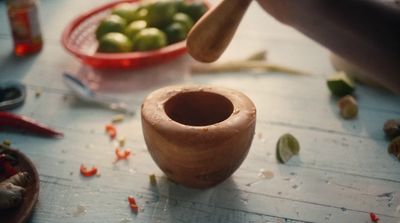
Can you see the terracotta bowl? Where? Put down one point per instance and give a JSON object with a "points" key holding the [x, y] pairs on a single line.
{"points": [[198, 135], [23, 212]]}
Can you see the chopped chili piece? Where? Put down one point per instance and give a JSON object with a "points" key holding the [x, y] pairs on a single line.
{"points": [[88, 172], [132, 204], [131, 200], [109, 127], [134, 207], [111, 131], [112, 134], [122, 155], [6, 169], [373, 217]]}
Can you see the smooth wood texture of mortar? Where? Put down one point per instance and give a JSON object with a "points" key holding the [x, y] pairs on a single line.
{"points": [[342, 173], [191, 153]]}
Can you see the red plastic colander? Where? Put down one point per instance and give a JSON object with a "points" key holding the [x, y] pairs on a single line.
{"points": [[80, 40]]}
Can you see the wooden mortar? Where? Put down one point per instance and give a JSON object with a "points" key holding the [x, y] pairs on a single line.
{"points": [[198, 135]]}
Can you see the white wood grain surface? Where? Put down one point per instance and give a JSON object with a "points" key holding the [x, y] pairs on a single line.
{"points": [[342, 173]]}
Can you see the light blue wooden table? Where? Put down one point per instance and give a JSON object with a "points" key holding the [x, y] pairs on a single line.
{"points": [[342, 173]]}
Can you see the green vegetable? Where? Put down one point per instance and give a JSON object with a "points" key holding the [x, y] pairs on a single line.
{"points": [[112, 23], [194, 9], [286, 147], [183, 19], [127, 11], [114, 43], [175, 33], [149, 39], [134, 27], [340, 84], [160, 13], [173, 20]]}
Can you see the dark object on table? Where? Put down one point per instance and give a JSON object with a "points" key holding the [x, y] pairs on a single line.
{"points": [[392, 128], [12, 95], [394, 147], [22, 213]]}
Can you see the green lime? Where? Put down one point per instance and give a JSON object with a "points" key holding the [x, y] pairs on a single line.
{"points": [[175, 32], [112, 23], [149, 39], [134, 27], [179, 5], [286, 147], [183, 19], [127, 11], [194, 9], [141, 14], [340, 84], [160, 13], [114, 43]]}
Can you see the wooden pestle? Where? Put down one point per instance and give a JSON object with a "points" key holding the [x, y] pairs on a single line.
{"points": [[211, 35]]}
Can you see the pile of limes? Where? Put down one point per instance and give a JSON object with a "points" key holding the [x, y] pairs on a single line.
{"points": [[147, 25]]}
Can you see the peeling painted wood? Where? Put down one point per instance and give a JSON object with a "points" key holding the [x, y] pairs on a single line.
{"points": [[342, 173]]}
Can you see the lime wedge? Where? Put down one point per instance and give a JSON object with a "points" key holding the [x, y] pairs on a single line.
{"points": [[340, 84], [286, 147]]}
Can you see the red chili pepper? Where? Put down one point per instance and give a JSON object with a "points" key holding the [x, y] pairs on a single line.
{"points": [[122, 155], [88, 172], [109, 127], [131, 200], [19, 122], [111, 131], [134, 207], [6, 168], [132, 204], [373, 217]]}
